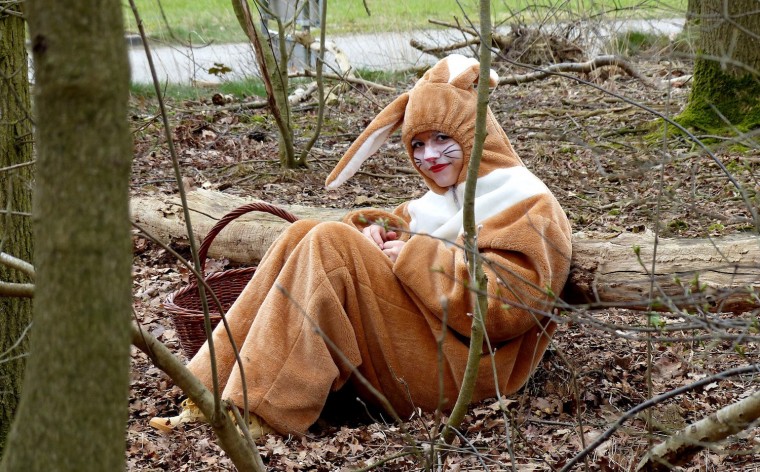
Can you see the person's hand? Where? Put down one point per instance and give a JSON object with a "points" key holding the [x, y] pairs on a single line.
{"points": [[378, 235], [392, 249]]}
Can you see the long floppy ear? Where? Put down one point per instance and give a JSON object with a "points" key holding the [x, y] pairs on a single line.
{"points": [[369, 141], [469, 76]]}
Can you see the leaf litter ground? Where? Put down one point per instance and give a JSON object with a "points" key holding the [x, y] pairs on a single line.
{"points": [[608, 165]]}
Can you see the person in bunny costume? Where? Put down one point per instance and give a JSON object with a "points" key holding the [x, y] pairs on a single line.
{"points": [[376, 293]]}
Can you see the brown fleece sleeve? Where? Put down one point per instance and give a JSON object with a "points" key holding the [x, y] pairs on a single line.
{"points": [[526, 250]]}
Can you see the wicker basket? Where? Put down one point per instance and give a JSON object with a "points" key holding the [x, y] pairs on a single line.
{"points": [[185, 306]]}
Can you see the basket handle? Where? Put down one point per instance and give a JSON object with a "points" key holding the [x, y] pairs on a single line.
{"points": [[226, 219]]}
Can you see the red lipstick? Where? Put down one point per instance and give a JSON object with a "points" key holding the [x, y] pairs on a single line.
{"points": [[438, 167]]}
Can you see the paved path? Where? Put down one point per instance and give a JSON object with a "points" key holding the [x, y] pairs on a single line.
{"points": [[383, 51]]}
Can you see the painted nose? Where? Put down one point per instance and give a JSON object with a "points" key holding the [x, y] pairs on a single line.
{"points": [[430, 155]]}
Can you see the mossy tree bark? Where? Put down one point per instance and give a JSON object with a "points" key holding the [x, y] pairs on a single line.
{"points": [[693, 10], [16, 203], [73, 409], [725, 97]]}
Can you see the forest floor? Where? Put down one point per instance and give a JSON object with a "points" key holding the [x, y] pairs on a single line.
{"points": [[608, 164]]}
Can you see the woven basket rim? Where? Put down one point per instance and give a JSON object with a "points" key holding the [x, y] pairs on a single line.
{"points": [[192, 285], [189, 321]]}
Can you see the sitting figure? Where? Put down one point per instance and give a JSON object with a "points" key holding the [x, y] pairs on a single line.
{"points": [[333, 298]]}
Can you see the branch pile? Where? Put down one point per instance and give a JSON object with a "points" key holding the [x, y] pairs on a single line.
{"points": [[531, 46]]}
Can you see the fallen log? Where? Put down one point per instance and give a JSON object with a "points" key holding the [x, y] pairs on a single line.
{"points": [[720, 274], [577, 67], [680, 447], [243, 241]]}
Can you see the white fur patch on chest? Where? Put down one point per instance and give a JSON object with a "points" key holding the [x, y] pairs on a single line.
{"points": [[441, 215]]}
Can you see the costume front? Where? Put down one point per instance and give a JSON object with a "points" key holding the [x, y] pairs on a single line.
{"points": [[326, 300]]}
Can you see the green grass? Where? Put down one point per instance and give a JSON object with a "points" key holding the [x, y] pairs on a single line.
{"points": [[238, 89], [384, 77], [171, 91], [242, 89], [201, 21], [194, 21]]}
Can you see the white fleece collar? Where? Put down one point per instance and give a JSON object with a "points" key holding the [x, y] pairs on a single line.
{"points": [[441, 215]]}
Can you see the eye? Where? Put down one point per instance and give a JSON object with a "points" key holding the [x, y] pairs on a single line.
{"points": [[442, 137], [417, 144]]}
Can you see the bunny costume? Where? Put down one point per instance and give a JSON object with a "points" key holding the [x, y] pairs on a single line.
{"points": [[325, 300]]}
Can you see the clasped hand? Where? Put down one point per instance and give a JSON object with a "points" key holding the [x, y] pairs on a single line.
{"points": [[387, 241]]}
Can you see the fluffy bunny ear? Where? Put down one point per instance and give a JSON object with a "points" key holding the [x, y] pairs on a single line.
{"points": [[465, 78], [369, 141]]}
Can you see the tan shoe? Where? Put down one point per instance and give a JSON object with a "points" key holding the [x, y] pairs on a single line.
{"points": [[190, 414], [257, 426]]}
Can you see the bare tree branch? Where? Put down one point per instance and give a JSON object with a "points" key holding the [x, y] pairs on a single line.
{"points": [[650, 403], [16, 263], [16, 290], [18, 166], [351, 80], [8, 289], [577, 67], [240, 451], [682, 446], [440, 51]]}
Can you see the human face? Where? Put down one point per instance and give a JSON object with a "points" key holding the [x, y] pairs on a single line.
{"points": [[438, 156]]}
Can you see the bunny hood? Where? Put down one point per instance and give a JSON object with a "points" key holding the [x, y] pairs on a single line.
{"points": [[444, 100]]}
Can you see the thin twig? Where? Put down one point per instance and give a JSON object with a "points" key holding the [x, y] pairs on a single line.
{"points": [[16, 290], [185, 209], [320, 82], [440, 51], [385, 460], [652, 402], [351, 80], [4, 355], [17, 166]]}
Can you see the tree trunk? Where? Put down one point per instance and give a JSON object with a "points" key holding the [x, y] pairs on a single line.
{"points": [[280, 82], [718, 274], [73, 409], [243, 241], [477, 277], [16, 197], [693, 11], [725, 97], [274, 75]]}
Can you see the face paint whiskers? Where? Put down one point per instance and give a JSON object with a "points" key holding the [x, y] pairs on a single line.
{"points": [[453, 151]]}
